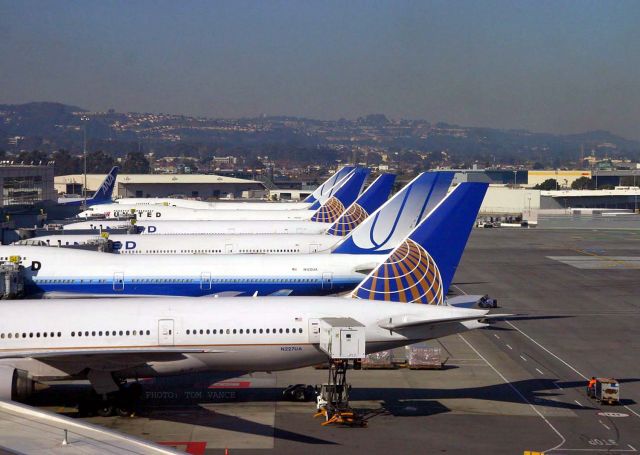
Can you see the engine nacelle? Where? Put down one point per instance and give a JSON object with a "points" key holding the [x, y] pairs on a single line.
{"points": [[15, 384]]}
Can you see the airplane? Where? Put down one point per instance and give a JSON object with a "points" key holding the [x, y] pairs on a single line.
{"points": [[369, 201], [318, 197], [231, 227], [66, 272], [107, 341], [408, 206], [102, 196], [333, 207]]}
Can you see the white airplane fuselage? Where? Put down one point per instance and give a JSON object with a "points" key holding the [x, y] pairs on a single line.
{"points": [[72, 272], [193, 204], [161, 212], [206, 227], [237, 334], [200, 243]]}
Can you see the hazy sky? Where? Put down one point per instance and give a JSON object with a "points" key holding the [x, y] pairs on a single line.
{"points": [[546, 66]]}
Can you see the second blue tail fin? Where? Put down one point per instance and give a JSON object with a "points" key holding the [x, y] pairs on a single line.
{"points": [[421, 269], [390, 224], [368, 202]]}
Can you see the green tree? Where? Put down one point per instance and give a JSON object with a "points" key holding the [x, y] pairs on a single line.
{"points": [[135, 163], [547, 185], [33, 157], [65, 163], [583, 183], [98, 162]]}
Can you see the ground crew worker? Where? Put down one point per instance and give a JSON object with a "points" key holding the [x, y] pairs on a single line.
{"points": [[591, 386]]}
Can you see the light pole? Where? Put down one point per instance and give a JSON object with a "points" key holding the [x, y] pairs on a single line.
{"points": [[635, 194], [84, 119], [515, 178]]}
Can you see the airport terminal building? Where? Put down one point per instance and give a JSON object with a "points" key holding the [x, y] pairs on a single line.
{"points": [[202, 186]]}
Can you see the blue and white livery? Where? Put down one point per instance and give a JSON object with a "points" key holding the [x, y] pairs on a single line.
{"points": [[333, 207], [102, 196], [86, 273], [312, 202]]}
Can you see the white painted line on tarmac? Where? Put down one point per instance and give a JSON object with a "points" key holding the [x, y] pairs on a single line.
{"points": [[631, 447], [578, 403], [632, 411], [557, 386], [561, 360], [545, 349], [510, 347], [496, 335], [539, 371], [522, 397], [523, 358], [603, 424]]}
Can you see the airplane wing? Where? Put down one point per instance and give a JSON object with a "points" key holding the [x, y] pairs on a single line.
{"points": [[26, 429], [403, 324], [73, 354]]}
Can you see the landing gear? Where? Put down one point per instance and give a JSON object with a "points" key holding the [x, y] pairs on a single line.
{"points": [[122, 403], [333, 399]]}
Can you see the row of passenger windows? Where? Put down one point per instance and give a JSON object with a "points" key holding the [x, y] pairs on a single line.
{"points": [[241, 331], [213, 251], [31, 335], [86, 333], [47, 281], [180, 280], [114, 333], [262, 250]]}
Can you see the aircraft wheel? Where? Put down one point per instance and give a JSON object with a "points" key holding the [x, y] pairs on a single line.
{"points": [[105, 409]]}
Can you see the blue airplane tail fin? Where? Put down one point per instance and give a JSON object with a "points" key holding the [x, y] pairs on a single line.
{"points": [[335, 206], [103, 195], [368, 202], [421, 269], [326, 189], [382, 231]]}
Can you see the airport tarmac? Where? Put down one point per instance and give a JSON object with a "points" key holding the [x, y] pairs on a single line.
{"points": [[516, 386]]}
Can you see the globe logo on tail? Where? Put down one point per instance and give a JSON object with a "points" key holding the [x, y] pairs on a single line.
{"points": [[349, 221], [329, 212], [408, 275]]}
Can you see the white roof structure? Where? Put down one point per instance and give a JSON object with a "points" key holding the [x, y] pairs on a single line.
{"points": [[181, 182]]}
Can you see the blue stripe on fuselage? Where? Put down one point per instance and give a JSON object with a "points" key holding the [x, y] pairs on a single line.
{"points": [[191, 289]]}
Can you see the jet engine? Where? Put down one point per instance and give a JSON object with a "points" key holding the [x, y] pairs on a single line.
{"points": [[15, 384]]}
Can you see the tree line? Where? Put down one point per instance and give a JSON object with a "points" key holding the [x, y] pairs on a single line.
{"points": [[98, 162]]}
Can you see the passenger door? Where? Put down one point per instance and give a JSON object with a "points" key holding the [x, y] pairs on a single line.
{"points": [[165, 332], [313, 247], [314, 331], [205, 281], [327, 280], [118, 281], [228, 248]]}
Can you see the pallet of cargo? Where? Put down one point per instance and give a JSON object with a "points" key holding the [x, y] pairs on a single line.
{"points": [[382, 360], [424, 358]]}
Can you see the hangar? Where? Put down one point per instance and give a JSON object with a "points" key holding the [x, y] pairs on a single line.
{"points": [[202, 186]]}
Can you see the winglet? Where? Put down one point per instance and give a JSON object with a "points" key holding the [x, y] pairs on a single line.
{"points": [[420, 270]]}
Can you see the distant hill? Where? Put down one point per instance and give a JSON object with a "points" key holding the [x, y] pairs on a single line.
{"points": [[48, 126]]}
